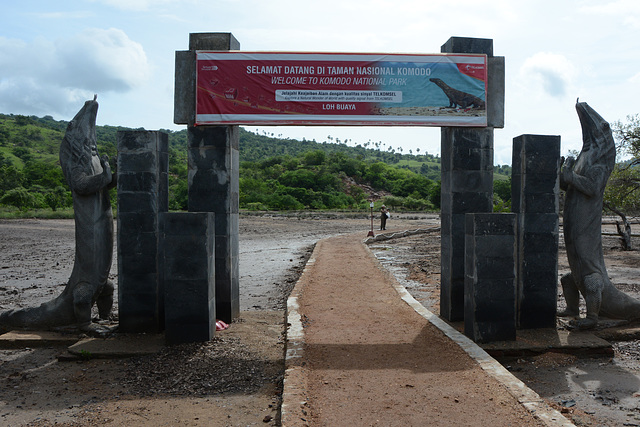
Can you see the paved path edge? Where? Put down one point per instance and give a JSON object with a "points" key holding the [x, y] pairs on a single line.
{"points": [[294, 399], [293, 410]]}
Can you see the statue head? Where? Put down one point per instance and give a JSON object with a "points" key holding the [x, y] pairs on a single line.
{"points": [[80, 138], [597, 138]]}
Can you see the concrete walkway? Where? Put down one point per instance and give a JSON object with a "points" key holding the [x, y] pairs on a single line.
{"points": [[362, 351]]}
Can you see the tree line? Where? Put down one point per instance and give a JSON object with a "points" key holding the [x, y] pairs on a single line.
{"points": [[317, 180], [275, 173]]}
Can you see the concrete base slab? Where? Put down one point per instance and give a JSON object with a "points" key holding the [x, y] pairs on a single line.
{"points": [[35, 339], [620, 333], [119, 346], [535, 341]]}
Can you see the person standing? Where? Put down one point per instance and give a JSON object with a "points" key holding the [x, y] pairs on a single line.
{"points": [[384, 214]]}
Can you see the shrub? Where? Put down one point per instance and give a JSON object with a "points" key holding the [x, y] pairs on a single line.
{"points": [[314, 158], [417, 204], [256, 206], [393, 202], [503, 189], [500, 205], [178, 196], [56, 198], [20, 198], [284, 202], [434, 194]]}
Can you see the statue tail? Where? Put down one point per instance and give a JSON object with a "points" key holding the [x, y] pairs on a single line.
{"points": [[619, 305], [48, 314]]}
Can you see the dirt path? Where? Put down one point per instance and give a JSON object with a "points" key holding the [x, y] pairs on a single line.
{"points": [[590, 391], [371, 360]]}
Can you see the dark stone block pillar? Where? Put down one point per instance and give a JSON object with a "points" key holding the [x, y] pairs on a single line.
{"points": [[534, 196], [214, 187], [187, 248], [467, 187], [490, 277], [143, 159]]}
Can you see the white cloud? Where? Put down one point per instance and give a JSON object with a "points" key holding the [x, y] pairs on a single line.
{"points": [[554, 73], [101, 60], [51, 77], [628, 11], [28, 96]]}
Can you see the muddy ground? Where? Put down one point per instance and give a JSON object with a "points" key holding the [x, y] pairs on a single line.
{"points": [[236, 379], [591, 391]]}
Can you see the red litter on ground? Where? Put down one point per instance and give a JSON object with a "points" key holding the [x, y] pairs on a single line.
{"points": [[220, 325]]}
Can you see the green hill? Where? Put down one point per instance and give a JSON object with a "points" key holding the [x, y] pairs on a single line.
{"points": [[275, 173]]}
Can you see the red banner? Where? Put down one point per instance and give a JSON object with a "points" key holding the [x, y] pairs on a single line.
{"points": [[260, 88]]}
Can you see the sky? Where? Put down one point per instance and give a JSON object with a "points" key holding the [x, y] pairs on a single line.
{"points": [[56, 55]]}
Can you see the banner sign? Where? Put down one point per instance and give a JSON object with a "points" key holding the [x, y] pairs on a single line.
{"points": [[271, 88]]}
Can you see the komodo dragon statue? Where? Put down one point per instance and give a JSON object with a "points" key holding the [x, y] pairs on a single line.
{"points": [[458, 97], [90, 178], [584, 180]]}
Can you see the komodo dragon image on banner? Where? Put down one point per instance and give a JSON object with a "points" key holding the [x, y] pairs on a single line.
{"points": [[90, 178], [584, 180], [457, 97]]}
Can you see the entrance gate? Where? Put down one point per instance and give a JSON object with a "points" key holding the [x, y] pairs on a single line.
{"points": [[467, 187]]}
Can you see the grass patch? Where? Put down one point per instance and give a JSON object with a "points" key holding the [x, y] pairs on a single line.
{"points": [[15, 213], [416, 163]]}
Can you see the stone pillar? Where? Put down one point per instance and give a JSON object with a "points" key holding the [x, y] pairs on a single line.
{"points": [[187, 248], [184, 99], [143, 161], [214, 187], [467, 186], [534, 196], [490, 277], [214, 178]]}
